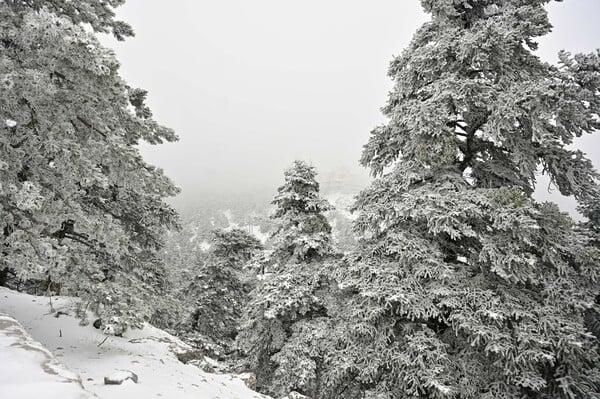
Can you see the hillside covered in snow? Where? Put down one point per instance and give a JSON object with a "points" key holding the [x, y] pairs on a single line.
{"points": [[46, 354]]}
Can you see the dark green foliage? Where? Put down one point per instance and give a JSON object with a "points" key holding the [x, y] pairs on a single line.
{"points": [[235, 247], [592, 319], [219, 291]]}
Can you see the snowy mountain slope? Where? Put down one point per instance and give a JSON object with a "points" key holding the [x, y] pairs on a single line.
{"points": [[148, 353]]}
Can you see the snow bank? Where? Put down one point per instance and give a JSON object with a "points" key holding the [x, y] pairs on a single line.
{"points": [[28, 369], [148, 353]]}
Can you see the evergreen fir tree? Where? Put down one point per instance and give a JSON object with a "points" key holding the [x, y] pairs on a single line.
{"points": [[219, 292], [303, 232], [591, 210], [79, 206], [463, 285], [287, 318]]}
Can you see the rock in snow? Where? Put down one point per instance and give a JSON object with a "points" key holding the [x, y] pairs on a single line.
{"points": [[118, 377], [296, 395], [187, 355], [31, 370], [249, 379]]}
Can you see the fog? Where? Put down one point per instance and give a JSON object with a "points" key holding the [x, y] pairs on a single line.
{"points": [[249, 86]]}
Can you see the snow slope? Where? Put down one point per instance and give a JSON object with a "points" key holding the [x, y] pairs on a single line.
{"points": [[27, 368], [148, 353]]}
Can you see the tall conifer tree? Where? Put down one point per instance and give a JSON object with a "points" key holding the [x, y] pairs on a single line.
{"points": [[303, 232], [287, 316], [464, 286], [79, 206], [218, 293]]}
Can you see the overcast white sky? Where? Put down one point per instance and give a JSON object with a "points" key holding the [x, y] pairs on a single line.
{"points": [[249, 86]]}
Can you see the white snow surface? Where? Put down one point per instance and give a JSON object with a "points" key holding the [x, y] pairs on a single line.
{"points": [[204, 246], [147, 352], [28, 369], [257, 232]]}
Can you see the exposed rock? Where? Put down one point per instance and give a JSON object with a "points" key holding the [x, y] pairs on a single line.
{"points": [[60, 313], [113, 327], [249, 379], [118, 377], [296, 395], [186, 356], [209, 365]]}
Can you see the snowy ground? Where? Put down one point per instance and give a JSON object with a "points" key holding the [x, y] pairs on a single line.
{"points": [[28, 369], [147, 353]]}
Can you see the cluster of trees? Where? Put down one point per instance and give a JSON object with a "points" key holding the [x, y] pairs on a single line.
{"points": [[462, 285], [215, 297]]}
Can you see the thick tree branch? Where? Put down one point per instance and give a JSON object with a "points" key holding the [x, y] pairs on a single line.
{"points": [[470, 149], [89, 125]]}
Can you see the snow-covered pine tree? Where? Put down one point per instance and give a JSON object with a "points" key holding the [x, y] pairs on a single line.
{"points": [[591, 211], [464, 286], [235, 246], [287, 319], [218, 294], [302, 232], [78, 204]]}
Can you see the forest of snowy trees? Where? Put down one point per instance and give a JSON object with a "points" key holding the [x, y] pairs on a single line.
{"points": [[455, 282]]}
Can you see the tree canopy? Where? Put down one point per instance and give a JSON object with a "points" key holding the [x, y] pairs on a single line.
{"points": [[79, 205], [463, 285]]}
